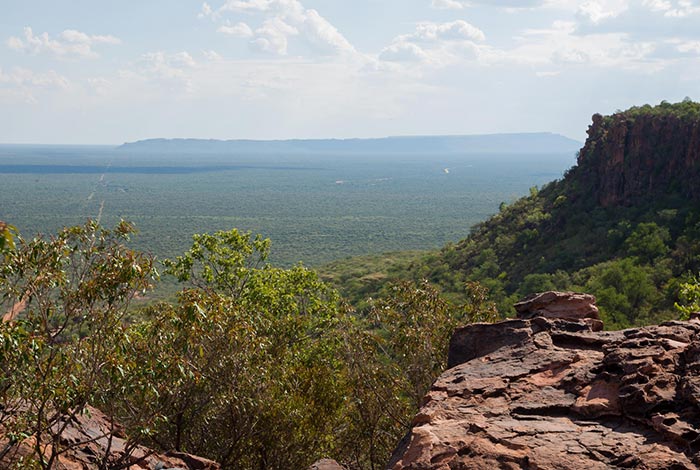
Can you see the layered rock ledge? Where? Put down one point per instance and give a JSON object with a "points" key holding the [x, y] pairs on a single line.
{"points": [[546, 393]]}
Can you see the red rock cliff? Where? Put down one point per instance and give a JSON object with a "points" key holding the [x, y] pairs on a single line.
{"points": [[632, 155]]}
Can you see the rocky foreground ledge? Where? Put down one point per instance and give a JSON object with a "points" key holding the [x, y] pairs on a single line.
{"points": [[547, 393]]}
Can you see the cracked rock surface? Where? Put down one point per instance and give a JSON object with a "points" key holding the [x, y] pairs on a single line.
{"points": [[553, 394]]}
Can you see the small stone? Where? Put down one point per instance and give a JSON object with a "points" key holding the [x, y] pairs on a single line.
{"points": [[562, 305], [326, 464]]}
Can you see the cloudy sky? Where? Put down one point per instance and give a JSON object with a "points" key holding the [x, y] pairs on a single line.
{"points": [[107, 71]]}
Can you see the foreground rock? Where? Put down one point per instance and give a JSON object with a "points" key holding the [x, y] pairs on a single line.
{"points": [[88, 436], [553, 394]]}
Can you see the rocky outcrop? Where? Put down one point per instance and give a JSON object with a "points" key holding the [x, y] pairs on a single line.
{"points": [[88, 439], [546, 393], [629, 157]]}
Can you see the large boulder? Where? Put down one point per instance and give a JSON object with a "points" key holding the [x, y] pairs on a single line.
{"points": [[554, 394]]}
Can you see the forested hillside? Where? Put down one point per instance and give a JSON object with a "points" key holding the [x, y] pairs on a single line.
{"points": [[623, 224]]}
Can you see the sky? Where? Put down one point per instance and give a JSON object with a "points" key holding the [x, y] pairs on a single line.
{"points": [[107, 72]]}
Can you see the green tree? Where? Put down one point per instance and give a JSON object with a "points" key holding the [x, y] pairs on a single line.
{"points": [[418, 324], [257, 377], [625, 291], [648, 242], [689, 298], [393, 356], [65, 299], [7, 234], [378, 406]]}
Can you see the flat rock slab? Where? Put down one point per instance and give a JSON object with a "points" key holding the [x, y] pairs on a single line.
{"points": [[553, 394]]}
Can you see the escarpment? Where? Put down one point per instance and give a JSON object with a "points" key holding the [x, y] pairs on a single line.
{"points": [[550, 393], [629, 157]]}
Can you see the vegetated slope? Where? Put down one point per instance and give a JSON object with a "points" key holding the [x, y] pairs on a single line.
{"points": [[623, 224]]}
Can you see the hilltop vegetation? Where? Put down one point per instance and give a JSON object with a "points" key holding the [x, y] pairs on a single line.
{"points": [[624, 225]]}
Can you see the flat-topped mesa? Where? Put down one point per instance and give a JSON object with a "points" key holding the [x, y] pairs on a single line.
{"points": [[561, 305]]}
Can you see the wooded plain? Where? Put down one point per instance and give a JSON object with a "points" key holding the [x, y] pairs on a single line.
{"points": [[316, 208]]}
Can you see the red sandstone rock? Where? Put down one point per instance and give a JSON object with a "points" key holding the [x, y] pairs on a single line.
{"points": [[553, 394]]}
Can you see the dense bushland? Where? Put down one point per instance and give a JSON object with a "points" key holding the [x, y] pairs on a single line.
{"points": [[253, 366]]}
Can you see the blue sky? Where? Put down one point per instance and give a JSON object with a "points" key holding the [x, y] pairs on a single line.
{"points": [[97, 71]]}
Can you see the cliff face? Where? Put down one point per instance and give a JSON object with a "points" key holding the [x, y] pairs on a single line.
{"points": [[553, 394], [626, 157]]}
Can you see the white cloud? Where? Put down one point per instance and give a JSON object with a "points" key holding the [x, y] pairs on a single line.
{"points": [[21, 76], [100, 85], [507, 4], [69, 43], [323, 35], [172, 70], [212, 56], [272, 36], [404, 52], [456, 30], [448, 4], [600, 10], [206, 11], [674, 8], [561, 45], [547, 73], [435, 43], [23, 83], [689, 47], [240, 30], [253, 5], [182, 59], [286, 19], [77, 37]]}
